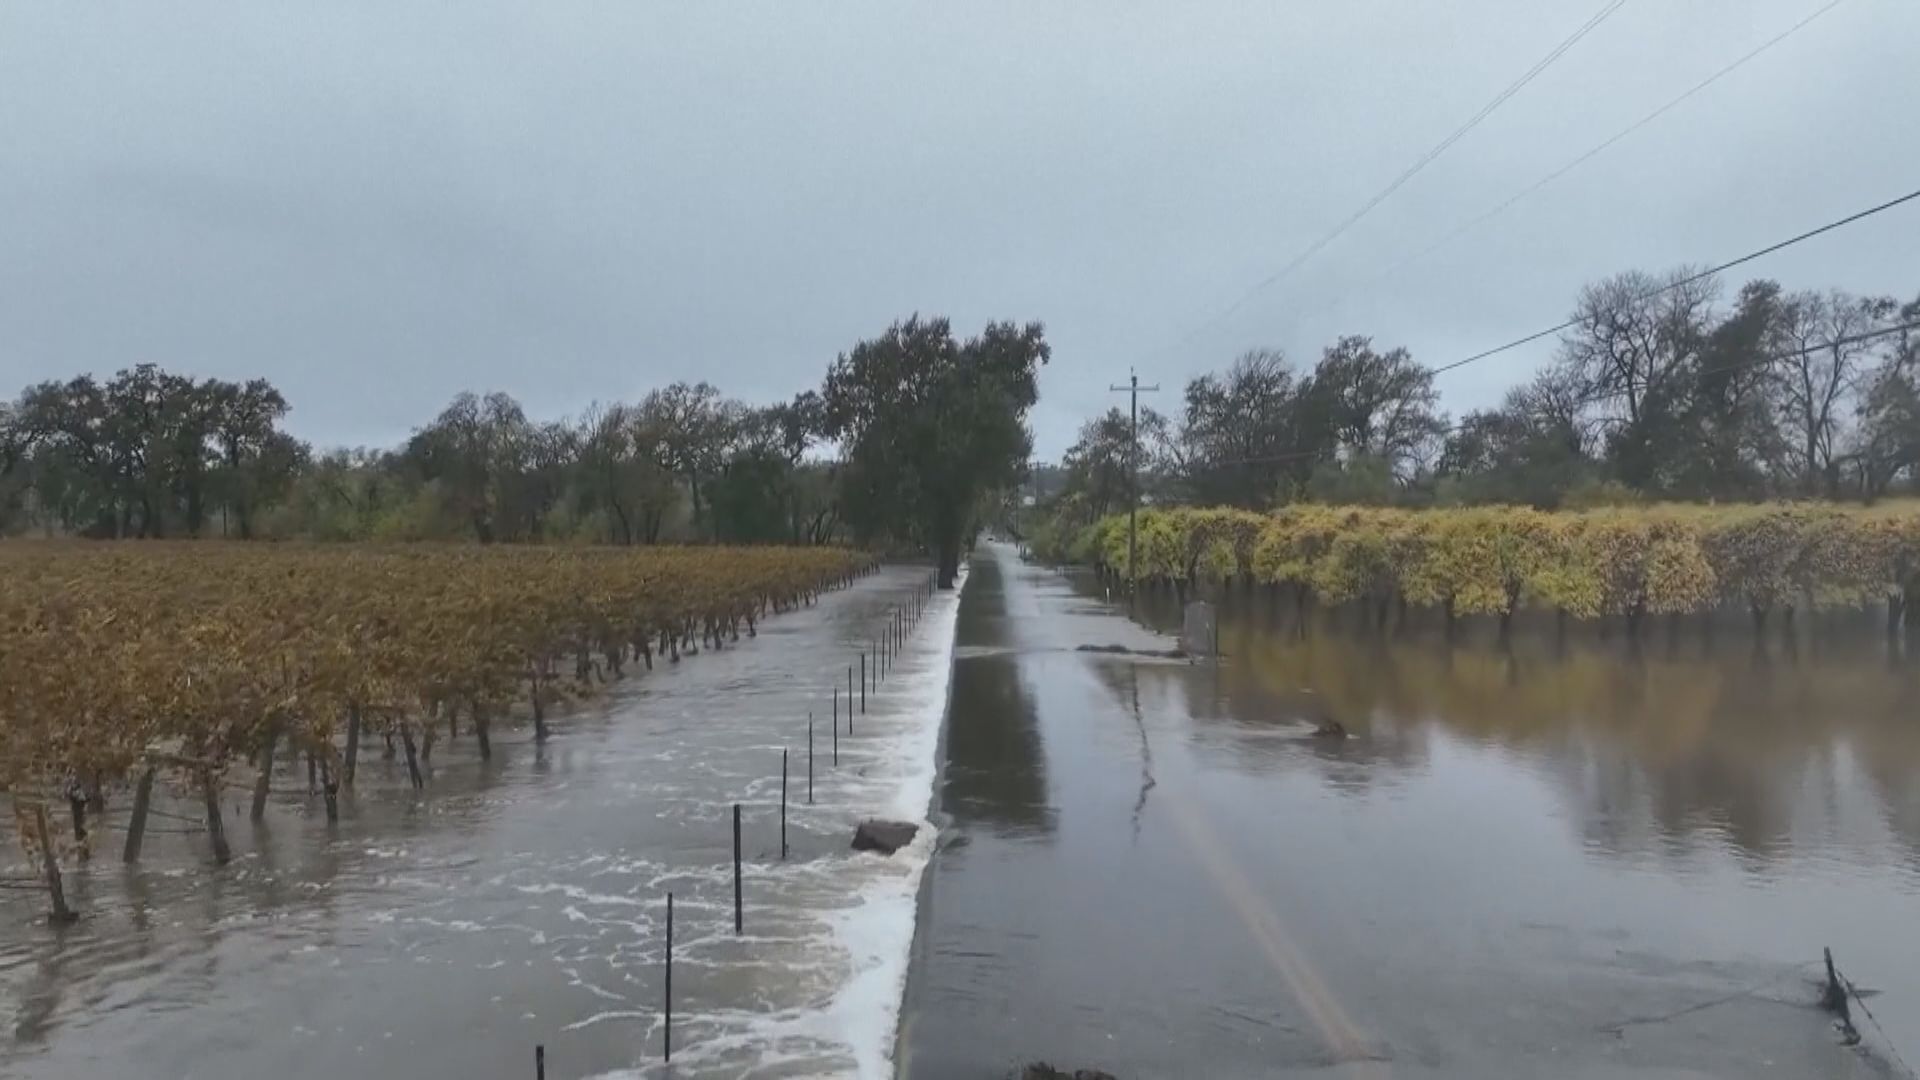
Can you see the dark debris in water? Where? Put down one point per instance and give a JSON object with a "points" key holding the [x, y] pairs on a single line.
{"points": [[1122, 650], [1040, 1070]]}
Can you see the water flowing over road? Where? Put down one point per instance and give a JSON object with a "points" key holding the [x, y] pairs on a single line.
{"points": [[1519, 864], [522, 901]]}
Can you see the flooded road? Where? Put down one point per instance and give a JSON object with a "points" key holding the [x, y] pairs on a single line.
{"points": [[444, 934], [1516, 866]]}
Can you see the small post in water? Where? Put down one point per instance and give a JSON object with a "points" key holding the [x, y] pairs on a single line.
{"points": [[1835, 1001], [863, 684], [736, 868], [540, 1062], [783, 802], [809, 759], [666, 1033]]}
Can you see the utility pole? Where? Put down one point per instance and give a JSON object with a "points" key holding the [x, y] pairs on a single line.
{"points": [[1133, 390]]}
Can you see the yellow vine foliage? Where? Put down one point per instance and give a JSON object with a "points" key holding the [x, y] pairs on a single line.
{"points": [[109, 652], [1494, 560]]}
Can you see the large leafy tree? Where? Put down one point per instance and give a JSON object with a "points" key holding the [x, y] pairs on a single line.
{"points": [[149, 453], [1099, 466], [931, 425], [1377, 404], [766, 491], [1246, 436], [1531, 450]]}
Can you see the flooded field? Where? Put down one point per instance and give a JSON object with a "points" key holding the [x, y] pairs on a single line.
{"points": [[522, 902], [1520, 864]]}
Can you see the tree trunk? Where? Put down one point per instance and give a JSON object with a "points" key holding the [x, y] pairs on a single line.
{"points": [[539, 712], [58, 913], [413, 758], [137, 828], [262, 782], [352, 762], [77, 805], [216, 827], [331, 790], [480, 731]]}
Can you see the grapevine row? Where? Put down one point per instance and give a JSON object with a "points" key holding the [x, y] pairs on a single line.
{"points": [[193, 658], [1631, 562]]}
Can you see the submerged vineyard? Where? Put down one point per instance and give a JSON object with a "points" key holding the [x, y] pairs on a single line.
{"points": [[1626, 562], [123, 665]]}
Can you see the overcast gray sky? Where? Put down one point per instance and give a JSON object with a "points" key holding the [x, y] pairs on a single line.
{"points": [[377, 205]]}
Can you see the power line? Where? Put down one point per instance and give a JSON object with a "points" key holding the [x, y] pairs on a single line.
{"points": [[1690, 279], [1449, 429], [1410, 171], [1597, 150]]}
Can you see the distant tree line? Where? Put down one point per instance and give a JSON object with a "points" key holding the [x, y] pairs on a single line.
{"points": [[926, 429], [1657, 391]]}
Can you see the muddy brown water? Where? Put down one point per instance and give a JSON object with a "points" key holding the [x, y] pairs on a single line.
{"points": [[1590, 865], [446, 933], [1520, 864]]}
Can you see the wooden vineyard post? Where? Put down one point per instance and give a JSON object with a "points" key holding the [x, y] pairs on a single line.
{"points": [[737, 921], [809, 759], [59, 914], [863, 684], [216, 828], [783, 803], [137, 828]]}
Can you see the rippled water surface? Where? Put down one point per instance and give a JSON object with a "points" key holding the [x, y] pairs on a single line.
{"points": [[522, 902], [1527, 863]]}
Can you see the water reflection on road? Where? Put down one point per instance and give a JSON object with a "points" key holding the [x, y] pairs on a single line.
{"points": [[1521, 863]]}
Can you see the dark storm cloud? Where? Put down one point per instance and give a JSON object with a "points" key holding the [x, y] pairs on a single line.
{"points": [[379, 205]]}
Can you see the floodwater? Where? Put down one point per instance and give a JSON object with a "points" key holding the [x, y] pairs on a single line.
{"points": [[446, 934], [1518, 865]]}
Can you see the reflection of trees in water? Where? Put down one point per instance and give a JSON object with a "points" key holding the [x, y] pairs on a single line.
{"points": [[1651, 752], [996, 773], [1260, 724]]}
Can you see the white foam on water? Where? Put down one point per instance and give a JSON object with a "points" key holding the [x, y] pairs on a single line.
{"points": [[867, 930], [878, 934]]}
